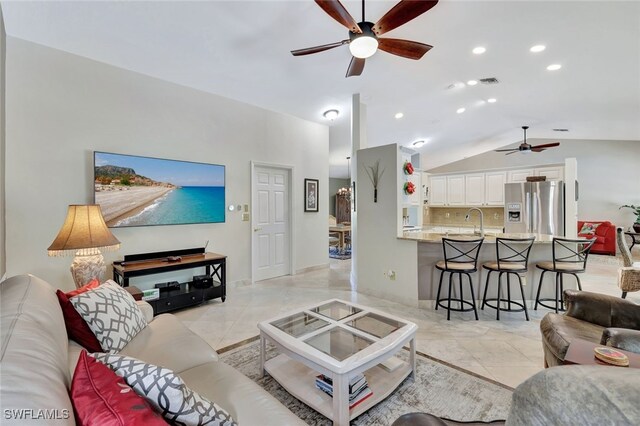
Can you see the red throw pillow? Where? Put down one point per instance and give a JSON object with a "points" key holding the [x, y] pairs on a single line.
{"points": [[88, 286], [102, 398], [77, 328]]}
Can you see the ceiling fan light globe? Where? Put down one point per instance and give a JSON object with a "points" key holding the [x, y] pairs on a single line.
{"points": [[363, 47], [526, 151]]}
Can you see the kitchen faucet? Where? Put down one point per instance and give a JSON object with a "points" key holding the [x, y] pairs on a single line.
{"points": [[468, 216]]}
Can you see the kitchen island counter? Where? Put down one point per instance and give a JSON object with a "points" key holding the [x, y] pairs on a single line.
{"points": [[489, 238], [430, 252]]}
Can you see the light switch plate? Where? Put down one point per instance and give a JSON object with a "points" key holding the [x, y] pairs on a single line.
{"points": [[245, 217]]}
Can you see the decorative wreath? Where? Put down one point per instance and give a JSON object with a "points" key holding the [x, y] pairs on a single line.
{"points": [[408, 168], [409, 188]]}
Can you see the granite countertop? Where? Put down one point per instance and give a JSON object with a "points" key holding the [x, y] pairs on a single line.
{"points": [[489, 237], [465, 225]]}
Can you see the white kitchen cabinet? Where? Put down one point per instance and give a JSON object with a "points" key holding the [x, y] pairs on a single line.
{"points": [[515, 176], [474, 189], [552, 173], [494, 188], [438, 191], [455, 190]]}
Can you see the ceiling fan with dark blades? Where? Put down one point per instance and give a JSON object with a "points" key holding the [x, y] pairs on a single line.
{"points": [[363, 38], [526, 148]]}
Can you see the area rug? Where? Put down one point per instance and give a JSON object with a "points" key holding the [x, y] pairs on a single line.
{"points": [[439, 389], [334, 253]]}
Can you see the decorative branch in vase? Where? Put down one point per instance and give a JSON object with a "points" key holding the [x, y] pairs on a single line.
{"points": [[375, 174]]}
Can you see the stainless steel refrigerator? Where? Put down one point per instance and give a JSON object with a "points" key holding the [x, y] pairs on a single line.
{"points": [[534, 207]]}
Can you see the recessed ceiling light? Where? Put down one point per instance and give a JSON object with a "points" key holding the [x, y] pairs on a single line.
{"points": [[560, 130], [479, 50], [399, 115], [418, 144], [492, 100], [460, 110], [537, 48], [472, 82], [554, 67], [331, 114]]}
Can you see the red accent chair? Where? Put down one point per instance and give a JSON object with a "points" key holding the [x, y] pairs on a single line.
{"points": [[605, 237]]}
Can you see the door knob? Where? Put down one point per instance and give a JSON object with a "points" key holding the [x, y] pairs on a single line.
{"points": [[257, 229]]}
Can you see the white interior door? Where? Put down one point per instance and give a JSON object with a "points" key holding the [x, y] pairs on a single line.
{"points": [[271, 216]]}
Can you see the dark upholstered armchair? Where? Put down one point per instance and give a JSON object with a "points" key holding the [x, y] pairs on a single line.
{"points": [[594, 317]]}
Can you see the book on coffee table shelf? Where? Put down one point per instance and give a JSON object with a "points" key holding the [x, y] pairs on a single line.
{"points": [[358, 388]]}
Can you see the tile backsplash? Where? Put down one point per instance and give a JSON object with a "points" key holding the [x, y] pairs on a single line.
{"points": [[493, 216]]}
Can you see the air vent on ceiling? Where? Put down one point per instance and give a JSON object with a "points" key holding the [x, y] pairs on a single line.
{"points": [[560, 130], [456, 85], [490, 80]]}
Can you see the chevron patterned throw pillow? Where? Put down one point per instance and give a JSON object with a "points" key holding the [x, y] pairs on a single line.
{"points": [[111, 314], [166, 392]]}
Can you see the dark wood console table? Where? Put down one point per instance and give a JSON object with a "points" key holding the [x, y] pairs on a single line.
{"points": [[139, 265]]}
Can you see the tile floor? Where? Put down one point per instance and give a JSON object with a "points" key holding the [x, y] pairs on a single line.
{"points": [[508, 351]]}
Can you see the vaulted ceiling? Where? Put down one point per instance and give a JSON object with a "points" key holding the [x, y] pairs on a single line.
{"points": [[240, 49]]}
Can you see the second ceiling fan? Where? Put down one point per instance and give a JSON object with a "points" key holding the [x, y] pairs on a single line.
{"points": [[363, 38], [526, 148]]}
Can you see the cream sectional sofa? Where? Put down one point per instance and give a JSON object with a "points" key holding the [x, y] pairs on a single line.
{"points": [[38, 360]]}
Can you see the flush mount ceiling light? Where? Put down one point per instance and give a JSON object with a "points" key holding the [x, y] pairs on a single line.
{"points": [[399, 115], [492, 100], [418, 144], [472, 82], [331, 114], [537, 48], [460, 110], [479, 50], [554, 67]]}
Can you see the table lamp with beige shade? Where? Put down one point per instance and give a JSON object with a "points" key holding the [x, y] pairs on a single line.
{"points": [[83, 234]]}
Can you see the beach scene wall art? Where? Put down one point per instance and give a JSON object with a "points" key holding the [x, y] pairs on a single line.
{"points": [[143, 191]]}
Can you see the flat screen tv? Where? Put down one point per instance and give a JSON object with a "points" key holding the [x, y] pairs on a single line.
{"points": [[142, 191]]}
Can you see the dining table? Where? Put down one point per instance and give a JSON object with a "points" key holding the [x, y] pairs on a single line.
{"points": [[342, 231]]}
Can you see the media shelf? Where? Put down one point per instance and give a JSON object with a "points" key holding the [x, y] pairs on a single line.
{"points": [[185, 296], [138, 265]]}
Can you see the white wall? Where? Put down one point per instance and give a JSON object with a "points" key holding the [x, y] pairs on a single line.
{"points": [[608, 173], [3, 37], [62, 107], [378, 249]]}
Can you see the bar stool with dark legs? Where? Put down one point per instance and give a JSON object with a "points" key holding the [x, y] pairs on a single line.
{"points": [[512, 255], [460, 257], [569, 257]]}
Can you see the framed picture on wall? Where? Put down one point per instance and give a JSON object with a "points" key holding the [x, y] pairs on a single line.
{"points": [[311, 195]]}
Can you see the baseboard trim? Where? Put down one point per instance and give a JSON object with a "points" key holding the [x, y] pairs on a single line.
{"points": [[312, 268], [239, 283], [391, 297]]}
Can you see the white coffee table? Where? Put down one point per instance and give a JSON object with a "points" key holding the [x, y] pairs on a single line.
{"points": [[338, 339]]}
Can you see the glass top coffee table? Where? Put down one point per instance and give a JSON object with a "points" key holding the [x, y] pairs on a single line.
{"points": [[339, 340]]}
